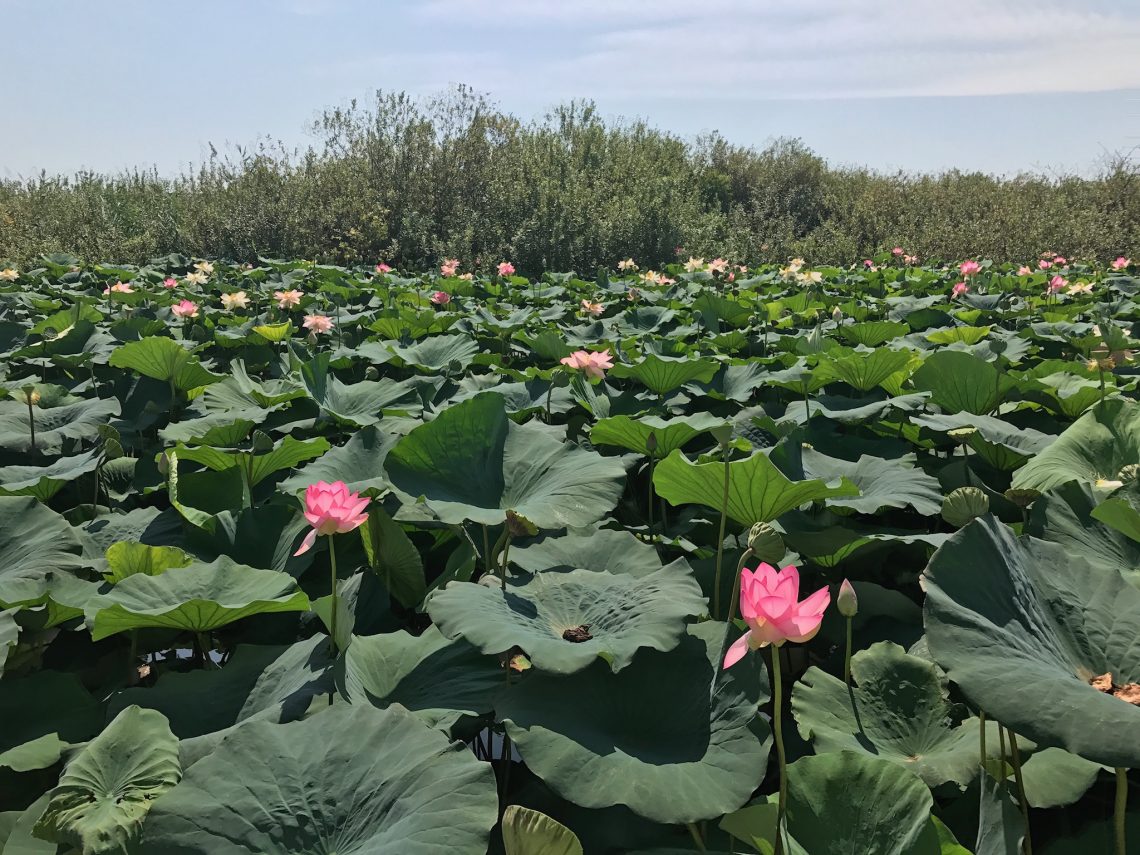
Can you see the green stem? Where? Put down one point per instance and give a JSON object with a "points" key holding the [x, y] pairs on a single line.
{"points": [[748, 553], [95, 501], [778, 731], [505, 765], [649, 502], [693, 830], [205, 647], [486, 550], [1001, 747], [332, 581], [847, 657], [132, 657], [982, 736], [720, 537], [1017, 776], [32, 423], [1121, 805], [496, 549]]}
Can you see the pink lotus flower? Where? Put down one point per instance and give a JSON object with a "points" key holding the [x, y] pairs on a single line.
{"points": [[237, 300], [594, 364], [1060, 260], [898, 250], [718, 265], [1056, 284], [969, 268], [769, 604], [590, 308], [910, 259], [1121, 263], [317, 323], [1025, 270], [169, 282], [185, 309], [868, 263], [383, 268], [959, 289], [1044, 264], [119, 288], [331, 509], [441, 298], [288, 299], [449, 266], [505, 268]]}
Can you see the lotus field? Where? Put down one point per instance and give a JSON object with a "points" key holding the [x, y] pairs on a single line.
{"points": [[305, 559]]}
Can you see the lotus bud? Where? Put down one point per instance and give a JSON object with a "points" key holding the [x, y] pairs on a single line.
{"points": [[837, 314], [766, 543], [370, 373], [163, 462], [847, 602], [963, 505], [651, 443], [722, 434]]}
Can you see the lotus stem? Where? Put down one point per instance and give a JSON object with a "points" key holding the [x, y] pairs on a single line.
{"points": [[649, 502], [982, 737], [1001, 745], [204, 646], [748, 553], [95, 501], [500, 567], [486, 550], [1017, 776], [335, 609], [1121, 806], [778, 731], [505, 762], [549, 390], [847, 655], [132, 657], [720, 536], [696, 833]]}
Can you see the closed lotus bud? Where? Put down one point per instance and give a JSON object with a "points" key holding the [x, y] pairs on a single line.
{"points": [[847, 602], [964, 505], [163, 462], [651, 443], [370, 373], [766, 543], [837, 314]]}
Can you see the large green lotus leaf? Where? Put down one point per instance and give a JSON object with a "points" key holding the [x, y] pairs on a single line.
{"points": [[437, 351], [961, 381], [612, 550], [264, 536], [669, 434], [1056, 778], [439, 680], [49, 708], [363, 403], [661, 374], [228, 429], [1066, 394], [43, 482], [34, 540], [873, 333], [394, 557], [146, 525], [351, 780], [198, 598], [1022, 627], [9, 635], [240, 392], [54, 425], [1001, 827], [1096, 446], [851, 411], [617, 614], [107, 789], [274, 680], [898, 711], [673, 737], [734, 382], [718, 308], [863, 371], [285, 454], [359, 463], [18, 839], [471, 463], [1025, 442], [1120, 516], [528, 396], [164, 359], [127, 558], [1065, 515], [895, 483], [528, 832], [758, 491]]}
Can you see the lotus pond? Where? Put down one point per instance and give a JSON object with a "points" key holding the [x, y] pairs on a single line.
{"points": [[304, 559]]}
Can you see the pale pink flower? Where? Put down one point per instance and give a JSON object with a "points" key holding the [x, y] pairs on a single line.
{"points": [[441, 298], [1079, 288], [770, 605], [1044, 264], [593, 363], [449, 267], [969, 268], [237, 300], [718, 265], [742, 268], [288, 299], [910, 259], [1025, 270], [466, 277], [1056, 284], [1120, 263], [591, 308], [197, 278], [383, 268], [331, 509], [505, 268], [204, 267], [959, 289], [1060, 260], [317, 323], [898, 250], [169, 283], [868, 263], [628, 264], [185, 309], [694, 264], [119, 288], [731, 277], [9, 274]]}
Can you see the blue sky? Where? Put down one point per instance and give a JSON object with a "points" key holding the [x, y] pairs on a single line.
{"points": [[995, 85]]}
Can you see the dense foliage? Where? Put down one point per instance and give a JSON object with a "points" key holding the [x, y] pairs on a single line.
{"points": [[411, 181], [299, 558]]}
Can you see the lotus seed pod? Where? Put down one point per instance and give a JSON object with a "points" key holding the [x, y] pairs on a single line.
{"points": [[722, 434], [847, 602], [520, 526], [962, 435], [766, 543], [1129, 473], [560, 379], [1022, 498], [370, 373], [963, 505]]}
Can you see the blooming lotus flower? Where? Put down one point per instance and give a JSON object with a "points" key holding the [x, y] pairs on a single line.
{"points": [[169, 283], [718, 265], [594, 364], [590, 308], [204, 267], [383, 268], [331, 509], [449, 266], [910, 259], [505, 268], [628, 264], [119, 288], [1056, 284], [1044, 264], [694, 264], [467, 277], [811, 277], [1080, 288], [969, 268], [197, 278], [441, 298], [185, 309], [9, 274], [1119, 264], [238, 300], [317, 323], [1025, 270], [1059, 260], [769, 604], [288, 299], [868, 263], [959, 289], [898, 250]]}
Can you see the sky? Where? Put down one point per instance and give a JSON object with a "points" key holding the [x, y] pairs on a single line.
{"points": [[1000, 86]]}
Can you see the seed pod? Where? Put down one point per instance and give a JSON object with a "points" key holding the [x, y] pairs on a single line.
{"points": [[766, 543], [964, 505]]}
